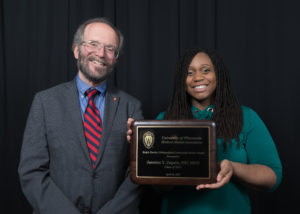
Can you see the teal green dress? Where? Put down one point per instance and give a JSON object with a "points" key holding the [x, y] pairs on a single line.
{"points": [[256, 147]]}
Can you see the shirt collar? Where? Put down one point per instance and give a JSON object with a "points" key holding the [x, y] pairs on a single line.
{"points": [[82, 86], [206, 113]]}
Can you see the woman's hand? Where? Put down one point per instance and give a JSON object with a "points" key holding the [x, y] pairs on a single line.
{"points": [[223, 177], [129, 129]]}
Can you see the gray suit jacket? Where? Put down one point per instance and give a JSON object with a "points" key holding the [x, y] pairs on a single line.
{"points": [[55, 168]]}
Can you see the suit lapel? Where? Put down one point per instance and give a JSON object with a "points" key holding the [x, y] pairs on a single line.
{"points": [[74, 110], [111, 106]]}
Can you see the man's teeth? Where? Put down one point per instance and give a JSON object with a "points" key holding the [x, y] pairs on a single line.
{"points": [[97, 62], [201, 86]]}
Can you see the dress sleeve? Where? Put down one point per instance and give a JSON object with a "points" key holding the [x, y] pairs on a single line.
{"points": [[259, 144], [161, 116]]}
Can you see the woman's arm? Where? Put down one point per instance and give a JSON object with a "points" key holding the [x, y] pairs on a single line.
{"points": [[255, 176]]}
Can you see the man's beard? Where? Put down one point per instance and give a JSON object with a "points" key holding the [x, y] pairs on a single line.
{"points": [[100, 75]]}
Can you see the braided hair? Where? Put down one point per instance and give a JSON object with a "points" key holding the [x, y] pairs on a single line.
{"points": [[227, 110]]}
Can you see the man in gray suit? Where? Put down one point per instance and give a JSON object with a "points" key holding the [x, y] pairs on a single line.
{"points": [[70, 164]]}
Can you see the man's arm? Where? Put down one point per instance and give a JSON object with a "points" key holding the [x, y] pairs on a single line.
{"points": [[37, 185]]}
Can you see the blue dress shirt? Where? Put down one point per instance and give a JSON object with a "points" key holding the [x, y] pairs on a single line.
{"points": [[83, 99]]}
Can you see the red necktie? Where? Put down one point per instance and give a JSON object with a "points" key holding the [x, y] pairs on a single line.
{"points": [[92, 125]]}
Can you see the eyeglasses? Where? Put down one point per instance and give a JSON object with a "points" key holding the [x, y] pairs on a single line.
{"points": [[109, 50]]}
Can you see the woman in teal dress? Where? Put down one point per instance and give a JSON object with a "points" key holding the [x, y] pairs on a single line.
{"points": [[246, 151]]}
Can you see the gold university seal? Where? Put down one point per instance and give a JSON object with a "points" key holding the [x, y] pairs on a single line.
{"points": [[148, 139]]}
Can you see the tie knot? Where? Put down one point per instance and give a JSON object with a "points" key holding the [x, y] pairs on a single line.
{"points": [[91, 92]]}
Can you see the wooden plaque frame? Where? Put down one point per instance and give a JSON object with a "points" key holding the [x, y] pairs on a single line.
{"points": [[169, 152]]}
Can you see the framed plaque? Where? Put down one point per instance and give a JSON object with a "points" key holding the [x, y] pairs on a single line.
{"points": [[170, 152]]}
